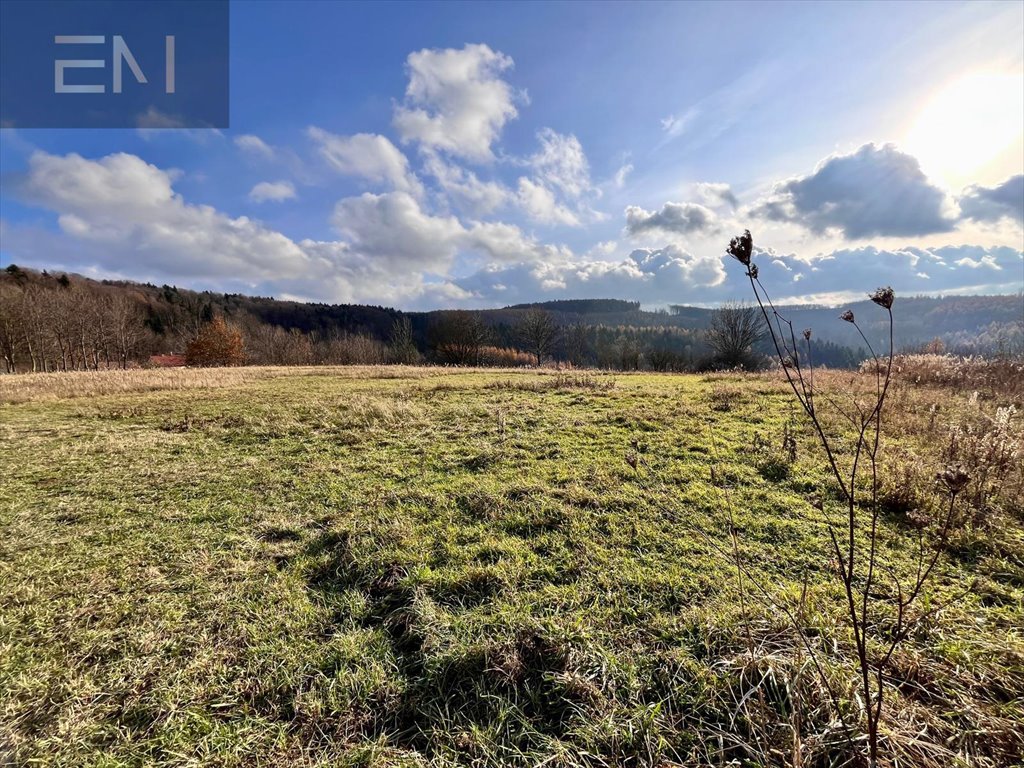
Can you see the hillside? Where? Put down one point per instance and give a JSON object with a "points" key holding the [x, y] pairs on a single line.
{"points": [[44, 310]]}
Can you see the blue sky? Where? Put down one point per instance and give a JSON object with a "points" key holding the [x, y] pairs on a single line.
{"points": [[475, 154]]}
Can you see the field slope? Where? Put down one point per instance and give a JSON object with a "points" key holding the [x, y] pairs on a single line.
{"points": [[428, 567]]}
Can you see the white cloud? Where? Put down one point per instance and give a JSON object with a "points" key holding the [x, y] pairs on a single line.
{"points": [[652, 276], [619, 180], [673, 218], [507, 243], [540, 204], [119, 215], [561, 163], [395, 230], [602, 250], [456, 100], [275, 191], [464, 188], [254, 145], [674, 275], [368, 155], [392, 228], [128, 210], [909, 269], [874, 191]]}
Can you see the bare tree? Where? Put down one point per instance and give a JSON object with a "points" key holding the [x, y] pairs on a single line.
{"points": [[735, 329], [11, 323], [538, 332], [459, 337], [577, 344], [125, 327], [627, 353], [403, 348]]}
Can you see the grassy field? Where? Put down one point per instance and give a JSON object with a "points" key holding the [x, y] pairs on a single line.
{"points": [[425, 567]]}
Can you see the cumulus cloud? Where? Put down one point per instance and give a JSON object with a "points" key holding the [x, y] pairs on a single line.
{"points": [[540, 204], [275, 191], [456, 100], [254, 145], [464, 188], [662, 275], [909, 269], [674, 275], [673, 218], [876, 190], [121, 215], [368, 155], [1004, 201], [129, 211], [395, 230]]}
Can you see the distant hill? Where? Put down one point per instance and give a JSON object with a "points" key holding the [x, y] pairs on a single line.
{"points": [[583, 306], [596, 331]]}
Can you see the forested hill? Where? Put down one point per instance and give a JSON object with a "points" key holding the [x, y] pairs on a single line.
{"points": [[165, 318]]}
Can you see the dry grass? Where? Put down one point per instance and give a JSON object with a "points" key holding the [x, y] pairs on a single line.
{"points": [[58, 386], [990, 375], [557, 381], [72, 384], [381, 566]]}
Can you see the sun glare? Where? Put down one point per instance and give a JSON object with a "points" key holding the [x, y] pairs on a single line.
{"points": [[968, 124]]}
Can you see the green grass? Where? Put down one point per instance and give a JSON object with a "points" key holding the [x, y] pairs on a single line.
{"points": [[459, 568]]}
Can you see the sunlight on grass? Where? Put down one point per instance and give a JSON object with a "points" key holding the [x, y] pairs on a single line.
{"points": [[402, 566]]}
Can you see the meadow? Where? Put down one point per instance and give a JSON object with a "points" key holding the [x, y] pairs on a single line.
{"points": [[395, 566]]}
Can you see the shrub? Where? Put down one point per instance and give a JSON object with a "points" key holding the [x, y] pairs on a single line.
{"points": [[504, 357], [992, 448], [217, 344]]}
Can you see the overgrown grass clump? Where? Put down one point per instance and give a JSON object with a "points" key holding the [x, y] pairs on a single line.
{"points": [[413, 567]]}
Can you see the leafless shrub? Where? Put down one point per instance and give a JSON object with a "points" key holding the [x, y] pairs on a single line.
{"points": [[992, 447], [878, 604], [734, 331], [559, 381], [724, 397]]}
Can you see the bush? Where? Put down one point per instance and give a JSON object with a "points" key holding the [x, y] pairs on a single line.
{"points": [[503, 357], [217, 344]]}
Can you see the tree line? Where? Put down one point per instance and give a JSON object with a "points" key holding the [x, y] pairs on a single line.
{"points": [[57, 322]]}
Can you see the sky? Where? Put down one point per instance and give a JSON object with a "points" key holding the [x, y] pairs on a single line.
{"points": [[428, 155]]}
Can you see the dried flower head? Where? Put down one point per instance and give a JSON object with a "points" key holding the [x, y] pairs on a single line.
{"points": [[807, 334], [918, 518], [752, 272], [847, 316], [787, 362], [955, 478], [883, 297], [741, 247]]}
